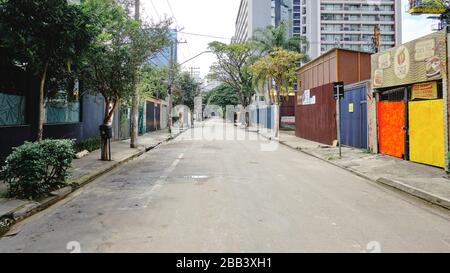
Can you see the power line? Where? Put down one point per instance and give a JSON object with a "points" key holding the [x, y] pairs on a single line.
{"points": [[205, 35], [173, 14], [154, 8]]}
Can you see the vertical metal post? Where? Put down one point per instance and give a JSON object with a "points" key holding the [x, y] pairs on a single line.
{"points": [[406, 126], [445, 97], [338, 119], [109, 147], [171, 67]]}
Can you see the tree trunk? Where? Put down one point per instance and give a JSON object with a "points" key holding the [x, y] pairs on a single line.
{"points": [[278, 111], [270, 92], [41, 120], [134, 121], [135, 101], [109, 115]]}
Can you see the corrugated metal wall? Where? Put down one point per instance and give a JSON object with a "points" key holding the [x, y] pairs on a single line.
{"points": [[287, 108], [318, 122], [354, 117]]}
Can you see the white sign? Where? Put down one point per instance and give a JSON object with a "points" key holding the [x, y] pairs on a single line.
{"points": [[307, 99]]}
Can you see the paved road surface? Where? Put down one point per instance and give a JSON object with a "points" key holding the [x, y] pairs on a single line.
{"points": [[196, 194]]}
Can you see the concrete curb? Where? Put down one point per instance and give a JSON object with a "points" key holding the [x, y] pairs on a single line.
{"points": [[419, 193], [19, 214], [432, 198]]}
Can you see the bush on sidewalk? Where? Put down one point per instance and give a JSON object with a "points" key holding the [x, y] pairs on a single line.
{"points": [[35, 169], [90, 144]]}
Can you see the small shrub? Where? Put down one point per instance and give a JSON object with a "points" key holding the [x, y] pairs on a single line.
{"points": [[35, 169], [90, 144], [5, 224]]}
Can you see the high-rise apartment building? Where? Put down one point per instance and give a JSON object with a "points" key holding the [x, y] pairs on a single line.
{"points": [[258, 14], [325, 23], [347, 23]]}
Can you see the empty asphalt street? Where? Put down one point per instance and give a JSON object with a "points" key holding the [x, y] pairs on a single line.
{"points": [[217, 188]]}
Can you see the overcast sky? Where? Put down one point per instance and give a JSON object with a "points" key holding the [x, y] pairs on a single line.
{"points": [[217, 18]]}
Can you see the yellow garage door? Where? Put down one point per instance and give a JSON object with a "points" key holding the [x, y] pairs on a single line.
{"points": [[426, 132]]}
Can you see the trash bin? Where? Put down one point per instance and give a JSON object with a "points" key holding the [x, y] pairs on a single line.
{"points": [[106, 131]]}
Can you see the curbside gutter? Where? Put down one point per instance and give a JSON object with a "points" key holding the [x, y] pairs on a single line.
{"points": [[21, 213], [419, 193]]}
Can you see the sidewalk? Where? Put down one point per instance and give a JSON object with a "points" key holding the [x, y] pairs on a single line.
{"points": [[83, 171], [425, 182]]}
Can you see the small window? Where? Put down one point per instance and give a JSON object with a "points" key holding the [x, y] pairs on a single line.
{"points": [[63, 106], [12, 109]]}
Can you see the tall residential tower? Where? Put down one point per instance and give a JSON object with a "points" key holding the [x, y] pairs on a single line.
{"points": [[258, 14], [347, 23]]}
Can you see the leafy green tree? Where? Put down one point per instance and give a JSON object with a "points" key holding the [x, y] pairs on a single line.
{"points": [[45, 37], [270, 38], [280, 65], [186, 89], [222, 96], [233, 68], [120, 47], [153, 82]]}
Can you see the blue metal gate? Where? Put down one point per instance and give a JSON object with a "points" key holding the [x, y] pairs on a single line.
{"points": [[354, 129]]}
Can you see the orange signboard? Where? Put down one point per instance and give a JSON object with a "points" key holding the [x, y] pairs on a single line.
{"points": [[426, 90]]}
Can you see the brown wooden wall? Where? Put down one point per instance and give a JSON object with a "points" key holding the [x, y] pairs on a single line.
{"points": [[353, 66], [320, 71], [336, 65], [318, 122]]}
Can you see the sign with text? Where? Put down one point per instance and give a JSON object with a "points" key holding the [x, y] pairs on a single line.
{"points": [[339, 89], [307, 99], [426, 90], [421, 60], [427, 7]]}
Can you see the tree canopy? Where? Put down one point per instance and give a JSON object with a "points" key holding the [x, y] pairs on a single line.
{"points": [[186, 89], [153, 81], [268, 39], [121, 46], [222, 96], [280, 65], [45, 38], [233, 68]]}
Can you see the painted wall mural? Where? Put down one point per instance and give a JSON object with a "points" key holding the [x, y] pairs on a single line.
{"points": [[418, 61]]}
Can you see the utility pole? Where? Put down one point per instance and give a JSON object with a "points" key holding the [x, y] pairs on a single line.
{"points": [[339, 93], [172, 66], [171, 81], [135, 99]]}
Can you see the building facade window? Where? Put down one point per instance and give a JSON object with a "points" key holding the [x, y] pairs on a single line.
{"points": [[63, 107], [12, 109]]}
